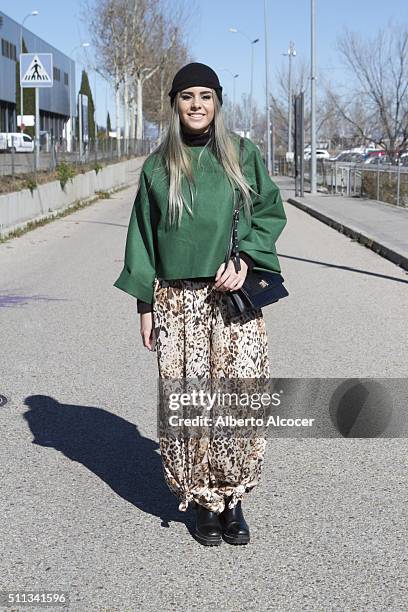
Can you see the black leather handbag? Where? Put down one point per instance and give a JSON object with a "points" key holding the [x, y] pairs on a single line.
{"points": [[261, 287]]}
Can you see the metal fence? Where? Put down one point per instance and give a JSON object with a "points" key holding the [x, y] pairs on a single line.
{"points": [[53, 153], [374, 181]]}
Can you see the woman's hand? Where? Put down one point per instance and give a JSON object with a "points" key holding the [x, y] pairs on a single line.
{"points": [[146, 330], [229, 280]]}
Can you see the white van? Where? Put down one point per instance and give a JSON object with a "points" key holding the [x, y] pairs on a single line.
{"points": [[17, 141]]}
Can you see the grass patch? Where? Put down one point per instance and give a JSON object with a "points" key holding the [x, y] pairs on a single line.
{"points": [[9, 184], [103, 195]]}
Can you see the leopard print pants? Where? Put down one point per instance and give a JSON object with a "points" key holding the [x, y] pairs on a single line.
{"points": [[195, 337]]}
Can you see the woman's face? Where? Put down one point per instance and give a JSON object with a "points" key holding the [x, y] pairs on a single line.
{"points": [[196, 109]]}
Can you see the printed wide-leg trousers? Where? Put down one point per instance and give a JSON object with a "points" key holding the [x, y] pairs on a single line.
{"points": [[196, 338]]}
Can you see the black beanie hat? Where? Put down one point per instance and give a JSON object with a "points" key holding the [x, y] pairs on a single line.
{"points": [[195, 74]]}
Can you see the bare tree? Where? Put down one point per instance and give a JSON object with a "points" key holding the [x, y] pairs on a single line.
{"points": [[105, 21], [341, 132], [167, 50], [258, 124], [327, 119], [134, 41], [379, 68], [279, 101]]}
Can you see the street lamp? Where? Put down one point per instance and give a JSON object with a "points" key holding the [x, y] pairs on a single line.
{"points": [[291, 53], [313, 189], [70, 92], [252, 43], [268, 113], [32, 14], [140, 102], [234, 76]]}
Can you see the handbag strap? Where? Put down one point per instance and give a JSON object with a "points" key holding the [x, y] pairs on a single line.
{"points": [[233, 247]]}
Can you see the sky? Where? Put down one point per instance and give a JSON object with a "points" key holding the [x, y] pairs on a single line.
{"points": [[210, 42]]}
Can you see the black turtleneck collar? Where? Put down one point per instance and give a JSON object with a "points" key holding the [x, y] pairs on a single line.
{"points": [[196, 140]]}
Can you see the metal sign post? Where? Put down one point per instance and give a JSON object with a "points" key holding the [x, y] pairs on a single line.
{"points": [[80, 126], [36, 70], [299, 145]]}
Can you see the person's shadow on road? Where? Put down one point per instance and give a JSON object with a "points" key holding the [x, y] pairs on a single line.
{"points": [[109, 446]]}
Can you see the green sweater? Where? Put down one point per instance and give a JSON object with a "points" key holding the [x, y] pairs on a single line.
{"points": [[198, 247]]}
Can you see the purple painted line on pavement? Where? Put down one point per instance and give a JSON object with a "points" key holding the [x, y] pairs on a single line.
{"points": [[19, 300]]}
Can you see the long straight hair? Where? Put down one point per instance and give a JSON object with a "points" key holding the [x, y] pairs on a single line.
{"points": [[176, 156]]}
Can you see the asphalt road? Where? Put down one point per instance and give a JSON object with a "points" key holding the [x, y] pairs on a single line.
{"points": [[83, 504]]}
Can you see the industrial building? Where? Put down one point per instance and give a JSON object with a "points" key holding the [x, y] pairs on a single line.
{"points": [[54, 102]]}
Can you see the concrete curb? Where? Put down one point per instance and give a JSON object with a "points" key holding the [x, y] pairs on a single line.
{"points": [[24, 209], [368, 241], [55, 214]]}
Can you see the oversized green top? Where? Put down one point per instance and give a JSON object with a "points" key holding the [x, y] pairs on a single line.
{"points": [[199, 245]]}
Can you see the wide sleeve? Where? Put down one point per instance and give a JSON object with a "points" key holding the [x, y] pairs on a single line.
{"points": [[139, 270], [268, 216], [143, 307]]}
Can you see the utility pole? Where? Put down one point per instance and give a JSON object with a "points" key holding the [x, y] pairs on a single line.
{"points": [[251, 86], [313, 189], [268, 114], [291, 53], [32, 14]]}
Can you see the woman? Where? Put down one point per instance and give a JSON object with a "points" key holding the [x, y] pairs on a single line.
{"points": [[176, 244]]}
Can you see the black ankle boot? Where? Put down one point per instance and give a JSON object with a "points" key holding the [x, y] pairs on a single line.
{"points": [[208, 529], [234, 526]]}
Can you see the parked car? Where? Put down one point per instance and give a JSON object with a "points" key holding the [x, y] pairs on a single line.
{"points": [[404, 159], [320, 154], [375, 153], [378, 160], [354, 157], [17, 142], [340, 156]]}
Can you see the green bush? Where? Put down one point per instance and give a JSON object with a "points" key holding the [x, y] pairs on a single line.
{"points": [[65, 172], [31, 183]]}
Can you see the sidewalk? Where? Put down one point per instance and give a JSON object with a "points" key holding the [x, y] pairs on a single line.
{"points": [[379, 226]]}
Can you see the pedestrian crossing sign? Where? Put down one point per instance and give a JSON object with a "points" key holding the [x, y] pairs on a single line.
{"points": [[36, 70]]}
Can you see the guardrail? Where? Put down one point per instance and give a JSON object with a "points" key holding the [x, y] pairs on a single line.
{"points": [[374, 181], [52, 153]]}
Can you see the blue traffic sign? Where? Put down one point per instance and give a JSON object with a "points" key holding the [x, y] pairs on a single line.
{"points": [[36, 70]]}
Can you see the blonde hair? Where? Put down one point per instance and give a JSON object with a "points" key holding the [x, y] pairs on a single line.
{"points": [[175, 155]]}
